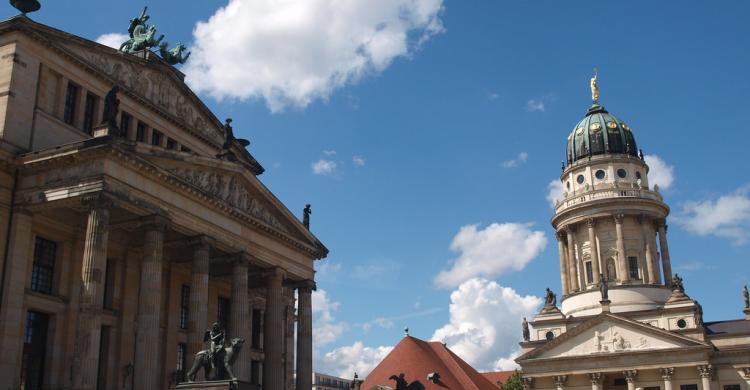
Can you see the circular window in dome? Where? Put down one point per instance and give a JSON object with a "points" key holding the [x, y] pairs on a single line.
{"points": [[549, 335], [637, 175], [600, 174], [622, 173], [611, 125], [682, 324], [580, 179], [595, 126], [625, 126]]}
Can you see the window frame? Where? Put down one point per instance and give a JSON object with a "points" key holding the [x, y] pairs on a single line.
{"points": [[633, 261], [37, 266], [184, 306], [72, 93], [89, 112]]}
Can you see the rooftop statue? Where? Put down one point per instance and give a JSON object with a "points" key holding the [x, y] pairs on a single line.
{"points": [[550, 299], [401, 383], [525, 330], [604, 287], [306, 216], [111, 107], [174, 56], [677, 284], [595, 87], [26, 6], [141, 35], [746, 297]]}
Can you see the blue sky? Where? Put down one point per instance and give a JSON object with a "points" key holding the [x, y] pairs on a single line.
{"points": [[414, 133]]}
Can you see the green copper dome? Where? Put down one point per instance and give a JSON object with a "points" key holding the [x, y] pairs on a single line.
{"points": [[600, 133]]}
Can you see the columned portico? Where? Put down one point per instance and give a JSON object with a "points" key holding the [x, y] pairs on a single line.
{"points": [[273, 367], [630, 376], [664, 248], [91, 296], [304, 335], [666, 376], [706, 372], [198, 312], [147, 351], [572, 266], [621, 256], [596, 380], [239, 321], [591, 223]]}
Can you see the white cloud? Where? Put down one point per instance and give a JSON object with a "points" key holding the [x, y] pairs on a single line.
{"points": [[358, 161], [347, 360], [325, 328], [485, 323], [491, 251], [323, 167], [727, 216], [492, 96], [293, 52], [555, 192], [113, 40], [329, 152], [533, 105], [328, 270], [520, 159], [660, 173]]}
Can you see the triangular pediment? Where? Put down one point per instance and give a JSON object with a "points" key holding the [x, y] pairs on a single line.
{"points": [[149, 79], [232, 186], [609, 334]]}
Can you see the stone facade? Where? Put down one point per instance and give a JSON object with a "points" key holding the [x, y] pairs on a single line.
{"points": [[122, 248], [624, 321]]}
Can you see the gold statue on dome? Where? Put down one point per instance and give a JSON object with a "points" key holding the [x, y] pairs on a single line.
{"points": [[595, 87]]}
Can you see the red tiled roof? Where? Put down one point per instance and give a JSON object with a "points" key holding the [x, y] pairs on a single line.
{"points": [[498, 376], [417, 358]]}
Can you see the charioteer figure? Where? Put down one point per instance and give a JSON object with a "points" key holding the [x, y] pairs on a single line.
{"points": [[216, 337]]}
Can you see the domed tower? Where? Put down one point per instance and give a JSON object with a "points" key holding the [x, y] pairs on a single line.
{"points": [[608, 222]]}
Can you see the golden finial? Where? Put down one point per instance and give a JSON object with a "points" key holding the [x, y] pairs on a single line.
{"points": [[595, 87]]}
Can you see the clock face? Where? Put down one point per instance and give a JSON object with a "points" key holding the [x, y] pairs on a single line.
{"points": [[611, 125], [595, 126]]}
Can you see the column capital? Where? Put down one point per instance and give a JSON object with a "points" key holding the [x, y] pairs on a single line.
{"points": [[570, 229], [155, 222], [560, 235], [630, 375], [306, 285], [527, 382], [560, 380], [201, 240], [746, 372], [590, 222], [706, 371], [241, 258], [274, 273], [666, 373], [596, 378], [661, 223], [22, 210], [642, 219], [96, 201], [618, 218]]}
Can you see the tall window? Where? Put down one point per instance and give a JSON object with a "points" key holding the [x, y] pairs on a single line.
{"points": [[155, 137], [255, 342], [184, 305], [71, 98], [732, 387], [109, 284], [633, 267], [88, 113], [124, 123], [171, 144], [589, 273], [34, 350], [43, 270], [181, 360], [222, 314], [140, 132], [689, 387], [101, 381]]}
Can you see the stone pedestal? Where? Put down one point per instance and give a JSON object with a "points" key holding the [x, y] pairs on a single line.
{"points": [[216, 385]]}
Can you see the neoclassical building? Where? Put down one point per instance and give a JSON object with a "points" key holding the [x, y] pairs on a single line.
{"points": [[624, 320], [124, 240]]}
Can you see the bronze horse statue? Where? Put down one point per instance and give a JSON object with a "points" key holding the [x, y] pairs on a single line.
{"points": [[227, 355]]}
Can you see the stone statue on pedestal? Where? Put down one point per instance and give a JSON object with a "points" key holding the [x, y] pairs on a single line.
{"points": [[746, 297], [111, 107], [525, 329], [550, 299], [677, 284], [306, 216], [604, 287]]}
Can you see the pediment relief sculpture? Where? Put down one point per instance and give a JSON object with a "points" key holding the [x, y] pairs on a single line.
{"points": [[229, 189]]}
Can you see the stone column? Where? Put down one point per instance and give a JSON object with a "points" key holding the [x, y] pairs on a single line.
{"points": [[559, 381], [572, 266], [12, 316], [621, 255], [594, 249], [630, 376], [304, 335], [198, 309], [562, 250], [706, 372], [649, 276], [596, 380], [273, 365], [654, 254], [239, 317], [666, 375], [147, 345], [664, 248], [91, 296]]}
